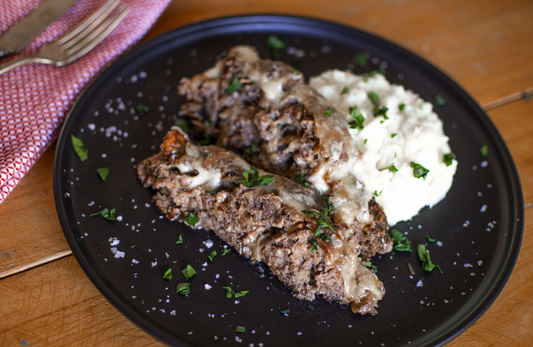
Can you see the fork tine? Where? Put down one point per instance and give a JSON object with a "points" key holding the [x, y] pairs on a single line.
{"points": [[94, 38], [91, 22]]}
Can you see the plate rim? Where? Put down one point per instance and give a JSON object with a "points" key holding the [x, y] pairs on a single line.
{"points": [[120, 305]]}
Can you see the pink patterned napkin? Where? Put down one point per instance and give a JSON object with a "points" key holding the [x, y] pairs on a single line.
{"points": [[35, 99]]}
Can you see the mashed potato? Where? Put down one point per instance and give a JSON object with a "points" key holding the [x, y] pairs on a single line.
{"points": [[393, 146]]}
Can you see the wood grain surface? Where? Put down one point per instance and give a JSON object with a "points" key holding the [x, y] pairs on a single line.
{"points": [[486, 46]]}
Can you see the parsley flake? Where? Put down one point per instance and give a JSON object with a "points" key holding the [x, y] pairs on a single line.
{"points": [[393, 135], [106, 213], [391, 168], [376, 192], [423, 254], [188, 272], [225, 251], [183, 288], [141, 108], [182, 124], [484, 150], [284, 311], [81, 151], [419, 171], [401, 107], [168, 275], [429, 238], [362, 58], [369, 265], [240, 329], [345, 90], [211, 191], [229, 292], [192, 219], [275, 45], [103, 172], [359, 119], [212, 255], [296, 72], [439, 100], [180, 240], [252, 179], [401, 243], [378, 111], [233, 86], [329, 111], [241, 294], [253, 149], [447, 158]]}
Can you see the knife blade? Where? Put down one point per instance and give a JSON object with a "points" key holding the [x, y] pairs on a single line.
{"points": [[28, 28]]}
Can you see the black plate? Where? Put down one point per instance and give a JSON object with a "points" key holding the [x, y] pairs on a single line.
{"points": [[479, 224]]}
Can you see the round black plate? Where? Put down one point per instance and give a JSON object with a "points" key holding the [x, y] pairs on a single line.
{"points": [[478, 225]]}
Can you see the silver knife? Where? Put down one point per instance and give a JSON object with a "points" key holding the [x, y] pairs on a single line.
{"points": [[28, 28]]}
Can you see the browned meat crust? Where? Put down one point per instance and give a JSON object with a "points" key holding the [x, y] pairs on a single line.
{"points": [[264, 222]]}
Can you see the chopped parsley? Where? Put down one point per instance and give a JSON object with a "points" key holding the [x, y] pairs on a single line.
{"points": [[103, 172], [81, 151], [141, 108], [183, 288], [374, 97], [329, 111], [391, 168], [359, 119], [447, 158], [362, 59], [376, 192], [192, 219], [427, 264], [419, 171], [484, 150], [233, 86], [180, 240], [378, 111], [252, 179], [393, 135], [241, 294], [439, 100], [401, 243], [212, 255], [275, 45], [240, 329], [211, 191], [182, 124], [188, 272], [253, 149], [106, 213], [225, 251], [369, 265], [300, 179], [345, 90], [401, 107], [229, 292], [296, 72], [430, 239], [168, 275], [365, 141], [322, 222], [284, 311]]}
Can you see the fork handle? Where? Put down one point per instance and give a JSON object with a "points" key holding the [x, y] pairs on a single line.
{"points": [[21, 61]]}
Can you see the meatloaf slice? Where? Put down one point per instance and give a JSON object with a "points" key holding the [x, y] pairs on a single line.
{"points": [[262, 110], [276, 221]]}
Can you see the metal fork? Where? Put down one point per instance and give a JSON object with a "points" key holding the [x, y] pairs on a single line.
{"points": [[78, 41]]}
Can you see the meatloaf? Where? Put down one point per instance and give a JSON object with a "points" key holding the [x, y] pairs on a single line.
{"points": [[270, 218]]}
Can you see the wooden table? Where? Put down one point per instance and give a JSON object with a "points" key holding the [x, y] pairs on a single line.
{"points": [[485, 45]]}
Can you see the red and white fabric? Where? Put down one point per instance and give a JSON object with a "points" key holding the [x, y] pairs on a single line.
{"points": [[35, 99]]}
